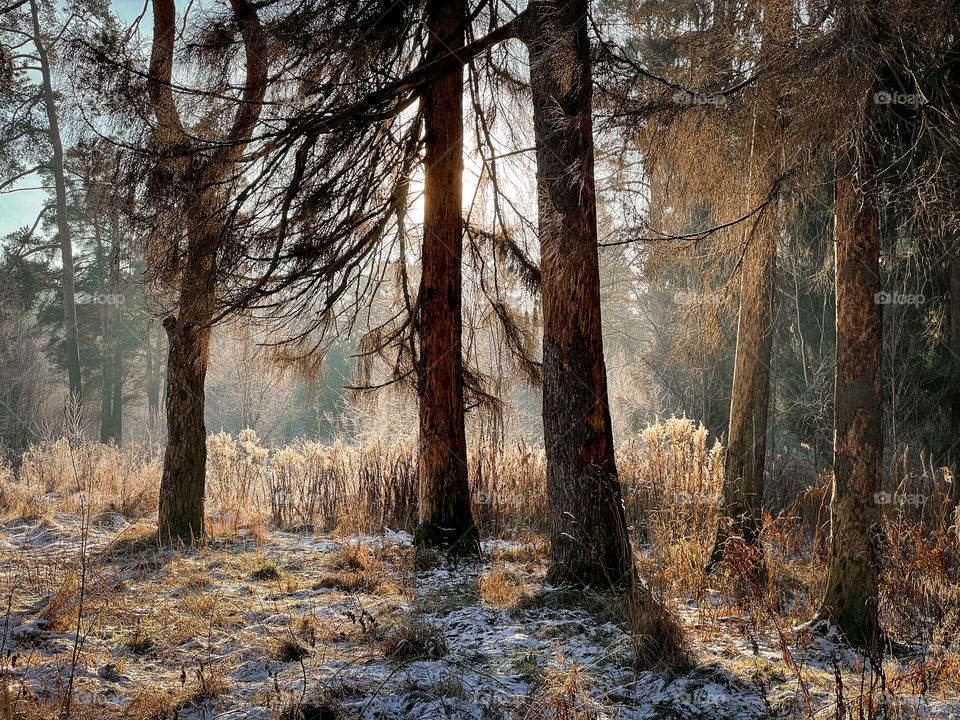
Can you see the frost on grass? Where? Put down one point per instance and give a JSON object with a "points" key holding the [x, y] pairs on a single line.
{"points": [[299, 626]]}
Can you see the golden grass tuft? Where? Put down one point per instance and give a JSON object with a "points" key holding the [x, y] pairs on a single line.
{"points": [[353, 557], [656, 636], [60, 612], [353, 582], [505, 589]]}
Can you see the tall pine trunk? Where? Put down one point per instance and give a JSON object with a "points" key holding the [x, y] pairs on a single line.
{"points": [[850, 599], [204, 186], [110, 323], [71, 336], [588, 529], [742, 516], [106, 395], [747, 433], [188, 336], [154, 373], [444, 495], [116, 431], [184, 461]]}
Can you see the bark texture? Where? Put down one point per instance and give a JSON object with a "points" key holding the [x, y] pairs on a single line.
{"points": [[588, 530], [202, 176], [184, 460], [749, 402], [850, 599], [446, 520]]}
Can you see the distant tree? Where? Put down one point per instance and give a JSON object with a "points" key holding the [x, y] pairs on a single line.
{"points": [[41, 42], [896, 51], [30, 400], [102, 210], [742, 516]]}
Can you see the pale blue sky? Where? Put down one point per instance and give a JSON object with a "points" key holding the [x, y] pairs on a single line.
{"points": [[21, 208]]}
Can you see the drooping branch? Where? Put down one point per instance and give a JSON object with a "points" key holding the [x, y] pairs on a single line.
{"points": [[414, 82]]}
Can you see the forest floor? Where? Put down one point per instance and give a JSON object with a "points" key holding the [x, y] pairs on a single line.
{"points": [[257, 624]]}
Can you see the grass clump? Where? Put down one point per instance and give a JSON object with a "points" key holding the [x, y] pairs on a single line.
{"points": [[504, 589], [355, 558], [140, 641], [657, 637], [266, 571], [346, 582], [289, 650], [414, 639]]}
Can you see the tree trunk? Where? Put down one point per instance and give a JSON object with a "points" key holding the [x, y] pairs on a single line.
{"points": [[184, 461], [116, 430], [110, 322], [749, 398], [106, 395], [747, 433], [588, 529], [111, 400], [71, 339], [444, 496], [850, 599], [188, 337], [208, 184]]}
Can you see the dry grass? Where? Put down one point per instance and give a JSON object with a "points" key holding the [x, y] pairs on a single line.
{"points": [[289, 650], [413, 638], [353, 556], [355, 569], [672, 476], [120, 481], [61, 610], [504, 588], [671, 473], [656, 635], [562, 693]]}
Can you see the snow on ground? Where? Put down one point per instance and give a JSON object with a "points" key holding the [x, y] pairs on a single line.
{"points": [[252, 625]]}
